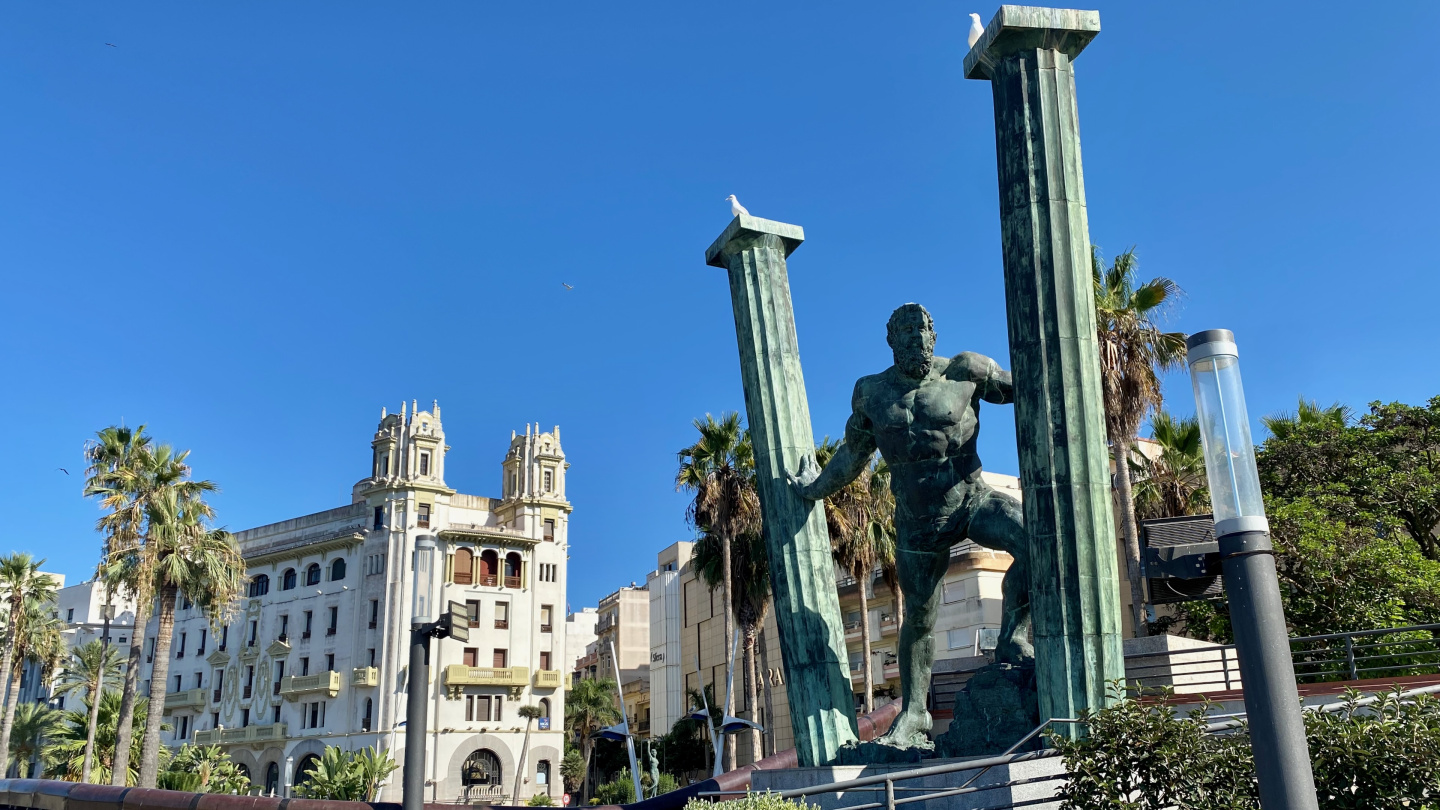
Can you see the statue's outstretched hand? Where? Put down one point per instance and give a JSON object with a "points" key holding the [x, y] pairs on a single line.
{"points": [[807, 474]]}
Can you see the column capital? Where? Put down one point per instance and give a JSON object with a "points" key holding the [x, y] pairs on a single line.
{"points": [[745, 226], [1017, 28]]}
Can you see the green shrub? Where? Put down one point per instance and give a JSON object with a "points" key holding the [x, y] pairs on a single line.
{"points": [[1148, 757], [751, 801], [541, 800], [203, 769]]}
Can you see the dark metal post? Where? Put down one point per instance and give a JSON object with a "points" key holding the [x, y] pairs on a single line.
{"points": [[416, 717], [1262, 644]]}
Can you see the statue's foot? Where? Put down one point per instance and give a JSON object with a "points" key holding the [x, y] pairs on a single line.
{"points": [[1015, 651], [911, 728]]}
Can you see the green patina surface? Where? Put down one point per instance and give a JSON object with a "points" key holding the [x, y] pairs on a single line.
{"points": [[1026, 54], [807, 609]]}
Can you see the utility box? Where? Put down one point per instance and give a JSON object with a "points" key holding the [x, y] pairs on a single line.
{"points": [[1182, 559]]}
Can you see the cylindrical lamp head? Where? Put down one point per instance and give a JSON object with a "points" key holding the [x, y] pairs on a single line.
{"points": [[1225, 433], [422, 604]]}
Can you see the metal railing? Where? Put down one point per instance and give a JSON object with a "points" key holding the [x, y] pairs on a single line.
{"points": [[1365, 654]]}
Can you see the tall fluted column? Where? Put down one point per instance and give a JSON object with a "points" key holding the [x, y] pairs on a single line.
{"points": [[802, 576], [1026, 55]]}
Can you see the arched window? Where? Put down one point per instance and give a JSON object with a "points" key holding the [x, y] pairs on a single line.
{"points": [[481, 768], [312, 574], [512, 569], [260, 585], [464, 567], [272, 778], [243, 768], [542, 774], [287, 580], [545, 707], [337, 569], [303, 768], [489, 566]]}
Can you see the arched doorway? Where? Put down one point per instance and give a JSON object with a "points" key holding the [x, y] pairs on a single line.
{"points": [[512, 570], [302, 768], [272, 779], [480, 775]]}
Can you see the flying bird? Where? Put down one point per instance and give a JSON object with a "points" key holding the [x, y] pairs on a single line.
{"points": [[111, 44], [567, 286], [736, 209], [976, 29], [62, 469]]}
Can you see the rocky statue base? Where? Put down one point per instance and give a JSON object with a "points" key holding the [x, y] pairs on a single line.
{"points": [[997, 707], [879, 752]]}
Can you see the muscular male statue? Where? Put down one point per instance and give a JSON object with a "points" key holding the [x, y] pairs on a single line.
{"points": [[923, 415]]}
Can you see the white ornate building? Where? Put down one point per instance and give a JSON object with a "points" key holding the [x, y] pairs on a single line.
{"points": [[316, 654]]}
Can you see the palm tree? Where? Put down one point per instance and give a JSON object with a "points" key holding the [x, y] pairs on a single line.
{"points": [[189, 559], [720, 470], [861, 538], [24, 586], [66, 751], [1283, 425], [1134, 352], [1171, 481], [589, 707], [750, 570], [529, 713], [90, 665], [34, 724]]}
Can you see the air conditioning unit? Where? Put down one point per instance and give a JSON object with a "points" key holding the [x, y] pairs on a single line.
{"points": [[1182, 559]]}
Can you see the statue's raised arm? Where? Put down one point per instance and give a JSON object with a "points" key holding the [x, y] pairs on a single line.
{"points": [[850, 457], [992, 383]]}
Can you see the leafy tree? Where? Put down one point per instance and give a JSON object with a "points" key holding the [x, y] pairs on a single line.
{"points": [[589, 707], [720, 469], [572, 769], [1307, 414], [90, 665], [1172, 483], [65, 752], [1134, 352], [24, 587], [34, 725], [203, 769]]}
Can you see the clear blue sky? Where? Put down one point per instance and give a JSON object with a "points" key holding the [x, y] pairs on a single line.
{"points": [[251, 226]]}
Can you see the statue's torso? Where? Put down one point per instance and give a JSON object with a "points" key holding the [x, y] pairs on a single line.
{"points": [[926, 431]]}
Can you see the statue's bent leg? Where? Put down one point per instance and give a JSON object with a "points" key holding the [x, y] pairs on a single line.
{"points": [[920, 575], [998, 523]]}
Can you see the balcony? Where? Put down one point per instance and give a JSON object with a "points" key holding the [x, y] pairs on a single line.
{"points": [[458, 676], [292, 686], [502, 624], [545, 628], [512, 582], [188, 699], [329, 631], [488, 580], [548, 679], [365, 676], [236, 736]]}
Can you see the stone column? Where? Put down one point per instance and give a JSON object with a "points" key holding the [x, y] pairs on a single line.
{"points": [[1026, 55], [802, 576]]}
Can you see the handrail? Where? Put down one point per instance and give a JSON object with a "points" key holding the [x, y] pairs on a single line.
{"points": [[1324, 708]]}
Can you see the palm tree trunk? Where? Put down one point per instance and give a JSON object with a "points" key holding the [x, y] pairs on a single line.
{"points": [[155, 714], [1124, 491], [89, 757], [125, 723], [520, 769], [869, 671], [12, 702], [769, 700], [729, 708], [752, 697], [587, 747], [6, 665]]}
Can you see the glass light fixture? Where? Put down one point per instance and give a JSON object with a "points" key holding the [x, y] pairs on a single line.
{"points": [[1225, 433], [422, 606]]}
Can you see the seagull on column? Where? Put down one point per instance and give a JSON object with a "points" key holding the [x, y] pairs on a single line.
{"points": [[976, 29], [736, 209]]}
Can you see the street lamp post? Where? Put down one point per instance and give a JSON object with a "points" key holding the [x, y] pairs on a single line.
{"points": [[422, 609], [1272, 703]]}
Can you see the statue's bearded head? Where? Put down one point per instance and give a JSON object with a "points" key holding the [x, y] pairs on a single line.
{"points": [[911, 334]]}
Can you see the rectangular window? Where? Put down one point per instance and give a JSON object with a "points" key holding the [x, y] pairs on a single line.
{"points": [[472, 611], [502, 616], [329, 662], [180, 648], [285, 627], [304, 667], [374, 613], [200, 650], [244, 718], [501, 656], [254, 632], [334, 621], [957, 639], [549, 480], [422, 515], [315, 715], [424, 463], [184, 732], [224, 637], [379, 517], [70, 615], [215, 719], [275, 717], [545, 618], [472, 657], [279, 675], [178, 687], [199, 680], [953, 591], [372, 656], [549, 529], [495, 713], [309, 623], [545, 660], [383, 468]]}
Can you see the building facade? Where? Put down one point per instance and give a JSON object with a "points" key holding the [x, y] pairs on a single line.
{"points": [[579, 635], [667, 678], [624, 631], [316, 654]]}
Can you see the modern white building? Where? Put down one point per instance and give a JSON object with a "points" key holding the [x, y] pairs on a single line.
{"points": [[667, 677], [83, 609], [316, 654], [579, 635]]}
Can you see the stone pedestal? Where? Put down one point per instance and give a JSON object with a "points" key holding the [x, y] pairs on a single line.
{"points": [[807, 609], [1026, 55], [995, 709]]}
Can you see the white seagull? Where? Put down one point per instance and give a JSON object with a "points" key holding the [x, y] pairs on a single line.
{"points": [[736, 209], [976, 29]]}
